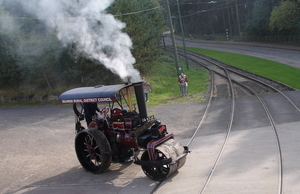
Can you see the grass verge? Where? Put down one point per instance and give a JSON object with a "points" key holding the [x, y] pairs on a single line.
{"points": [[163, 81], [274, 70], [163, 78]]}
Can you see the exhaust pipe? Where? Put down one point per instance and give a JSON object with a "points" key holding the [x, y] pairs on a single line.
{"points": [[140, 97]]}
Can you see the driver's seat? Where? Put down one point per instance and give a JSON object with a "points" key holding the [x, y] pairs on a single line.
{"points": [[116, 114]]}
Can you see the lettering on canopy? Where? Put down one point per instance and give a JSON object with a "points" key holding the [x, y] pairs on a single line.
{"points": [[88, 100]]}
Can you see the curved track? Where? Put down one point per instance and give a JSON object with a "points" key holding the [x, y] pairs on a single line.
{"points": [[289, 55], [37, 146], [241, 83]]}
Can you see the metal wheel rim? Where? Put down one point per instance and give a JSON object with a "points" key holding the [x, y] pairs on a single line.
{"points": [[88, 152], [157, 172], [92, 151]]}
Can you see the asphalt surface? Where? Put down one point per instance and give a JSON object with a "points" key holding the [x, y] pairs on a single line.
{"points": [[38, 156], [249, 163], [288, 55]]}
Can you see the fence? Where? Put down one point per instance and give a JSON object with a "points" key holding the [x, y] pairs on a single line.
{"points": [[266, 39], [269, 39]]}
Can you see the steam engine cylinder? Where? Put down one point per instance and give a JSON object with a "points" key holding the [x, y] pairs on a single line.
{"points": [[126, 140]]}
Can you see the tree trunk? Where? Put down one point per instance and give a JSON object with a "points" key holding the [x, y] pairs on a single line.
{"points": [[238, 17]]}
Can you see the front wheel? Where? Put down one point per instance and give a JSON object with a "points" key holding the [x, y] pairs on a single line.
{"points": [[168, 149], [92, 150], [79, 111]]}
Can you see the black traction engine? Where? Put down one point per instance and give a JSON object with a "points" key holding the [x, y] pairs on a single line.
{"points": [[121, 131]]}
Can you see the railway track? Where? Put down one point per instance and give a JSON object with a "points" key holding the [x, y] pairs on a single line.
{"points": [[258, 153], [232, 83]]}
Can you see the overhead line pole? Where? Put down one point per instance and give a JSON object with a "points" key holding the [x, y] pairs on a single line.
{"points": [[182, 35], [173, 37]]}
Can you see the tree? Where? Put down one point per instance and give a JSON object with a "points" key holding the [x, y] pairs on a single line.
{"points": [[285, 18], [145, 28], [32, 52], [258, 24], [10, 72]]}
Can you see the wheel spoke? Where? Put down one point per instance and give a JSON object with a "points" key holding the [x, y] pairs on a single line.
{"points": [[89, 145], [159, 173], [99, 156], [92, 150], [91, 139]]}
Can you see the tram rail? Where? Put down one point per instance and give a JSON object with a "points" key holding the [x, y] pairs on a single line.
{"points": [[227, 72]]}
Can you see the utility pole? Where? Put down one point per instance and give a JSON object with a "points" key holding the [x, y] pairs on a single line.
{"points": [[229, 22], [238, 17], [182, 35], [173, 37]]}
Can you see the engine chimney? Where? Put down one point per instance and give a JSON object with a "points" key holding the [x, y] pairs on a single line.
{"points": [[140, 97]]}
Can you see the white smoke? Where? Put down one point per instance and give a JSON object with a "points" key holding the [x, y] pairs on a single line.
{"points": [[96, 33]]}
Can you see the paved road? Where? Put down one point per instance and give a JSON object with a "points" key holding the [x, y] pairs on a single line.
{"points": [[289, 55], [37, 154]]}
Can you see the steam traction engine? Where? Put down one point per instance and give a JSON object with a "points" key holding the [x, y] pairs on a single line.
{"points": [[121, 130]]}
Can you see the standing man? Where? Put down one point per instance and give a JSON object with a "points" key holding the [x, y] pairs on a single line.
{"points": [[90, 111], [183, 82], [146, 92]]}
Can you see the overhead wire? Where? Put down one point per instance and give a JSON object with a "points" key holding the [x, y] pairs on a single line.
{"points": [[136, 12], [213, 9], [38, 18]]}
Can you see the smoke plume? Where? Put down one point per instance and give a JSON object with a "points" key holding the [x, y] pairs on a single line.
{"points": [[96, 34]]}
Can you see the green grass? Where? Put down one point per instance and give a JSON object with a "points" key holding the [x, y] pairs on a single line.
{"points": [[163, 78], [165, 86], [274, 70]]}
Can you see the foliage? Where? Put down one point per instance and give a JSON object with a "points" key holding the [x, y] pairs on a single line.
{"points": [[285, 18], [10, 72], [31, 54], [212, 17], [258, 23], [145, 28], [252, 17]]}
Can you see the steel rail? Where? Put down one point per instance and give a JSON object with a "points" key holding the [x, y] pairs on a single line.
{"points": [[227, 134], [272, 123], [279, 152], [251, 78], [206, 109], [229, 127]]}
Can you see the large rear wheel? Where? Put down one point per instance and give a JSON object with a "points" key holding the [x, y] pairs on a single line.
{"points": [[92, 150]]}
